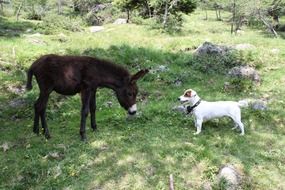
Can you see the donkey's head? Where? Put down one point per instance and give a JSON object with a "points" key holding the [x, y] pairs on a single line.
{"points": [[127, 93]]}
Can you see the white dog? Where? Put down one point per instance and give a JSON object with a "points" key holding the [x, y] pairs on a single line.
{"points": [[203, 110]]}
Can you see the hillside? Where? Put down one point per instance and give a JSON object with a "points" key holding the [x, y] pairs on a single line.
{"points": [[142, 152]]}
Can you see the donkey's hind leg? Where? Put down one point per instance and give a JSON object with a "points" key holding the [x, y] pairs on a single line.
{"points": [[92, 108], [40, 111]]}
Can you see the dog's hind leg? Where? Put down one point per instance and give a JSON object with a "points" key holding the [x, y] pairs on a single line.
{"points": [[237, 119], [241, 126]]}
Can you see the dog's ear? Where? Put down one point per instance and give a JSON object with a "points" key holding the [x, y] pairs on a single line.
{"points": [[188, 93]]}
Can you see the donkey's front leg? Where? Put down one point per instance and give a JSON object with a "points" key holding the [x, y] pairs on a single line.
{"points": [[85, 99], [93, 110]]}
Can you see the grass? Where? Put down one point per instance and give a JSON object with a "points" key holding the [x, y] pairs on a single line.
{"points": [[143, 152]]}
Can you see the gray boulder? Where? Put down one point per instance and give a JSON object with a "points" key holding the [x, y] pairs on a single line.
{"points": [[94, 29], [259, 105], [207, 48], [245, 72], [121, 21], [229, 177]]}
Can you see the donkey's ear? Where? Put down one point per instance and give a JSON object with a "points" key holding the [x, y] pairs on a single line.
{"points": [[138, 75]]}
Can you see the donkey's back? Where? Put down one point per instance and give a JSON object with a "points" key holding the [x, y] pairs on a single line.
{"points": [[64, 74]]}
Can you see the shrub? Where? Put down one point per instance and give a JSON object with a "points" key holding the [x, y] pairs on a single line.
{"points": [[55, 23]]}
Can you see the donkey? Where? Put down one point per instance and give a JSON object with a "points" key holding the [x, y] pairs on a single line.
{"points": [[69, 75]]}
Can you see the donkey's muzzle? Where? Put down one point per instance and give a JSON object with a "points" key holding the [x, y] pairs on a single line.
{"points": [[132, 110]]}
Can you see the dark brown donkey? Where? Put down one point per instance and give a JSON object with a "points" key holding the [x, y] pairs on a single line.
{"points": [[69, 75]]}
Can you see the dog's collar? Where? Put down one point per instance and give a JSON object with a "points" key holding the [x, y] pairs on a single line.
{"points": [[191, 108]]}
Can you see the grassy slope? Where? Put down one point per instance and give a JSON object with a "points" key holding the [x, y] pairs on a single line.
{"points": [[141, 153]]}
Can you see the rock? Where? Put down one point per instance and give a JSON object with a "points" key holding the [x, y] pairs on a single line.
{"points": [[5, 146], [244, 46], [160, 68], [62, 38], [229, 177], [16, 89], [206, 186], [94, 29], [259, 105], [275, 51], [211, 49], [16, 103], [240, 32], [245, 72], [121, 21], [37, 41], [180, 108], [108, 104], [34, 35], [178, 82]]}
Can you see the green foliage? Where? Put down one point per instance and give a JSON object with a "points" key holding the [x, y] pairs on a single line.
{"points": [[53, 24], [215, 63]]}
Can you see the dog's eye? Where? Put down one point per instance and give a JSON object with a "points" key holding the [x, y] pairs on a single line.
{"points": [[130, 94]]}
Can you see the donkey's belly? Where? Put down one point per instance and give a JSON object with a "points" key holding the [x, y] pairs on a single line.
{"points": [[68, 89]]}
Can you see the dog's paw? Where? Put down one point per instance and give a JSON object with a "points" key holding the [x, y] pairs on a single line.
{"points": [[241, 134], [197, 133]]}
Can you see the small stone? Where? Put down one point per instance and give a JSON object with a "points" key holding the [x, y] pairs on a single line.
{"points": [[16, 103], [5, 146], [121, 21], [244, 47], [180, 108], [177, 82], [245, 72], [259, 105], [275, 51], [229, 175], [94, 29]]}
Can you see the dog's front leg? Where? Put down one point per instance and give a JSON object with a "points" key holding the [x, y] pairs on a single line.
{"points": [[198, 125]]}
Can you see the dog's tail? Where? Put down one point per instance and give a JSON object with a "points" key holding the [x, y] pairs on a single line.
{"points": [[243, 103], [29, 79]]}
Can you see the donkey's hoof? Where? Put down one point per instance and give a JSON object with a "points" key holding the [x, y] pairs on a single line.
{"points": [[47, 136], [36, 131], [94, 128], [84, 139]]}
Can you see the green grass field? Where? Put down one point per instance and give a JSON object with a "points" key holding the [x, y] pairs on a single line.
{"points": [[141, 153]]}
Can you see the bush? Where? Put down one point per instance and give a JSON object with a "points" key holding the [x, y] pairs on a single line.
{"points": [[173, 25], [55, 23], [215, 63]]}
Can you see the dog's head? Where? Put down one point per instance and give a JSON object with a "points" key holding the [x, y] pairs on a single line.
{"points": [[187, 96]]}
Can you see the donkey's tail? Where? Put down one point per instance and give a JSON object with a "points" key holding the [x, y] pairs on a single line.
{"points": [[30, 74], [243, 103]]}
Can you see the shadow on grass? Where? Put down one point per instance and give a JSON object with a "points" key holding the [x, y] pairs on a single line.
{"points": [[11, 29]]}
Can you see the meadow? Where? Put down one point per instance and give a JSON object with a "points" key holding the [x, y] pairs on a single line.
{"points": [[141, 153]]}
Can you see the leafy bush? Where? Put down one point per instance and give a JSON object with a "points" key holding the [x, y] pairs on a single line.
{"points": [[214, 63], [55, 23]]}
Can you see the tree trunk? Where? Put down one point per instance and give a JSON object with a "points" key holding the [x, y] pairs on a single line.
{"points": [[217, 16], [220, 18], [165, 14], [1, 8], [128, 15], [206, 18], [234, 17], [59, 6], [269, 26], [19, 10]]}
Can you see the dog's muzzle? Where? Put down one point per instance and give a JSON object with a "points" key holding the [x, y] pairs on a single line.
{"points": [[132, 110]]}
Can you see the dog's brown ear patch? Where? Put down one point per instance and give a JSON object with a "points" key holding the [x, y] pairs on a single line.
{"points": [[188, 93]]}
